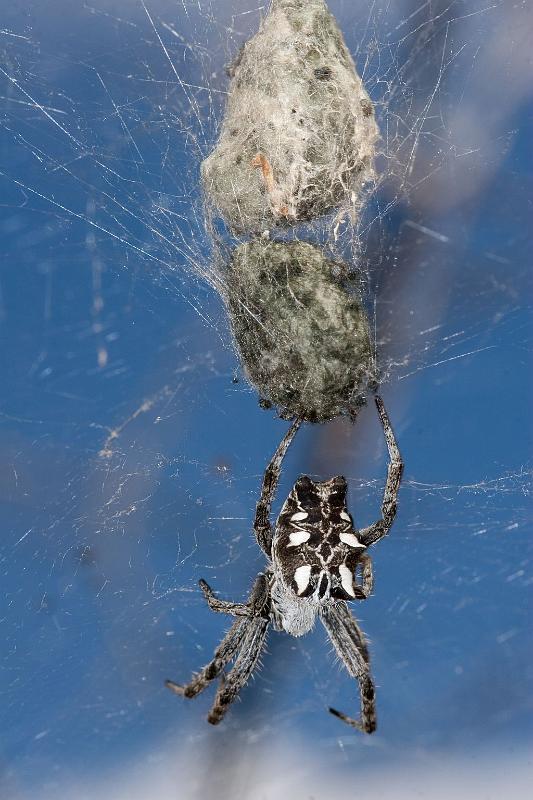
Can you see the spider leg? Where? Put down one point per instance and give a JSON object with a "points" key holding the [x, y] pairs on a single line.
{"points": [[349, 643], [223, 654], [258, 606], [250, 650], [223, 606], [262, 527], [375, 532], [367, 575], [255, 606]]}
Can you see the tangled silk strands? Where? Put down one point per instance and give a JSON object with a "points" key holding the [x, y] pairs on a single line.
{"points": [[299, 133]]}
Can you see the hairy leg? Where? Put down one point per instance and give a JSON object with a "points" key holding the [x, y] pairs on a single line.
{"points": [[379, 529], [223, 606], [262, 527], [349, 643], [223, 654], [251, 647], [367, 575]]}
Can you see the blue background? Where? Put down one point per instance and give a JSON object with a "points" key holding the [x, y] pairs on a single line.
{"points": [[130, 460]]}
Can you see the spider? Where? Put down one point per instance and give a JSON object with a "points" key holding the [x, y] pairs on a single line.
{"points": [[314, 553]]}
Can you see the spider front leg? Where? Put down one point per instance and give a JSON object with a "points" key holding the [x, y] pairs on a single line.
{"points": [[236, 642], [223, 606], [262, 527], [351, 648], [223, 655], [253, 607], [379, 529], [250, 650]]}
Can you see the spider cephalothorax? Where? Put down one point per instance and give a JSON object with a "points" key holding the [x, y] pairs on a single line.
{"points": [[314, 553]]}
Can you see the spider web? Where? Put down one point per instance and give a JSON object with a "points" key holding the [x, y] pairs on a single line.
{"points": [[133, 447]]}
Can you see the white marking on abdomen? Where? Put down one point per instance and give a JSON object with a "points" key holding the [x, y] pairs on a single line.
{"points": [[302, 576], [351, 539], [346, 580], [298, 537], [299, 516]]}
